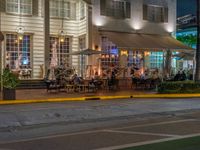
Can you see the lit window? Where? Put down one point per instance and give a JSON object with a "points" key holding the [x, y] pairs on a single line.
{"points": [[19, 7], [112, 57], [63, 49], [156, 60], [16, 48]]}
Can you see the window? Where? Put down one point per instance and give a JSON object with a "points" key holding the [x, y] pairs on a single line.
{"points": [[115, 8], [18, 48], [154, 13], [62, 9], [156, 60], [112, 57], [134, 57], [82, 42], [82, 10], [19, 7], [63, 48]]}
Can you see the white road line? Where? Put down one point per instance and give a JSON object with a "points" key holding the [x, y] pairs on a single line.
{"points": [[154, 124], [143, 133], [51, 136], [146, 142], [88, 132]]}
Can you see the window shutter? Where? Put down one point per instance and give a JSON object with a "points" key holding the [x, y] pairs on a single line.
{"points": [[3, 5], [145, 12], [103, 7], [128, 10], [73, 11], [35, 7], [165, 14]]}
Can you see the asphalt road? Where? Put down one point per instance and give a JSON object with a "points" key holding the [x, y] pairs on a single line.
{"points": [[97, 124]]}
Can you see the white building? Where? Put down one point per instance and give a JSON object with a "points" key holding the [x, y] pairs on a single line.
{"points": [[138, 32], [130, 28]]}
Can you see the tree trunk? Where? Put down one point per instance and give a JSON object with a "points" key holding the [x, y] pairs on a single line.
{"points": [[197, 69]]}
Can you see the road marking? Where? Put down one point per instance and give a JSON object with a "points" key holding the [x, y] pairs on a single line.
{"points": [[51, 136], [143, 133], [147, 142], [91, 131], [154, 124]]}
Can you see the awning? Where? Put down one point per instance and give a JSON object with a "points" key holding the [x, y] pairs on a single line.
{"points": [[145, 41]]}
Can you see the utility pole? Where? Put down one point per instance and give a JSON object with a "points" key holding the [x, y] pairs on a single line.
{"points": [[197, 69]]}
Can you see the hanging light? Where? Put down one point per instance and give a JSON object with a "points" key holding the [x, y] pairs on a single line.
{"points": [[20, 32], [61, 32], [61, 35], [20, 29]]}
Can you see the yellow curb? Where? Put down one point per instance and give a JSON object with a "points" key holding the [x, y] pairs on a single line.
{"points": [[66, 99], [114, 97], [9, 102]]}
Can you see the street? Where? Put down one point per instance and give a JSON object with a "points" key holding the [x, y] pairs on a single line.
{"points": [[90, 125]]}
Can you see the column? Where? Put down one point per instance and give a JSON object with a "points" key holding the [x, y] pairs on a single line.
{"points": [[167, 68], [46, 34]]}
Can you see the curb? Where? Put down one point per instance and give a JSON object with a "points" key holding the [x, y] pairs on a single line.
{"points": [[11, 102]]}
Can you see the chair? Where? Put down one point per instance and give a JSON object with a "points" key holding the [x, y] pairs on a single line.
{"points": [[52, 85], [69, 86]]}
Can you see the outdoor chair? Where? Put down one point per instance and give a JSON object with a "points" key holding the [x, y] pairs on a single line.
{"points": [[52, 86], [113, 84]]}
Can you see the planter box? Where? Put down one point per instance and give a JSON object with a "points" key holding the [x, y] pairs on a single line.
{"points": [[9, 94]]}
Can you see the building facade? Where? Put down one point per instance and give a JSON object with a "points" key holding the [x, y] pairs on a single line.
{"points": [[132, 32], [136, 32], [68, 27]]}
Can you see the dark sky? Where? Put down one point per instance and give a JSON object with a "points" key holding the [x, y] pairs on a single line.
{"points": [[186, 7]]}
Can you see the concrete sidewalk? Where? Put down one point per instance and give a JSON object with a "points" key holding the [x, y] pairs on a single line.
{"points": [[41, 95]]}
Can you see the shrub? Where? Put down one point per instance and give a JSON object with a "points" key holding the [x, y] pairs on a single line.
{"points": [[179, 87], [9, 79]]}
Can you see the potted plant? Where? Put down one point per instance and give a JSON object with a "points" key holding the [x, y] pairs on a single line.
{"points": [[9, 81]]}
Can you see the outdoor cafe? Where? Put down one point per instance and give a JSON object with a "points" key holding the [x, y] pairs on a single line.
{"points": [[133, 60]]}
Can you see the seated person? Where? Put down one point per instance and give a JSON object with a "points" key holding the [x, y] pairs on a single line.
{"points": [[96, 76], [76, 80]]}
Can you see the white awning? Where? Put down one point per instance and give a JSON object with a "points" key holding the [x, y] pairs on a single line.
{"points": [[145, 41]]}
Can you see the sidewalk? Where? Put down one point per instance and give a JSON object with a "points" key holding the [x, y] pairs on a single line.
{"points": [[41, 95]]}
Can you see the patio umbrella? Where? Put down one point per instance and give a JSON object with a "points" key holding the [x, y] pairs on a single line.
{"points": [[54, 62], [87, 52], [54, 58]]}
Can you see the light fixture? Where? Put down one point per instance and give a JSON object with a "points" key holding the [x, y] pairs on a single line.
{"points": [[20, 29], [61, 32], [20, 32], [124, 52], [102, 56], [61, 35]]}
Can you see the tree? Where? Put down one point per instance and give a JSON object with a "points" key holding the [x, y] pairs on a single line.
{"points": [[197, 70]]}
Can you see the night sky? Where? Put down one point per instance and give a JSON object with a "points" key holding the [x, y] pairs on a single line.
{"points": [[185, 7]]}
